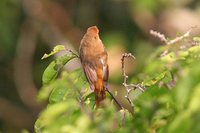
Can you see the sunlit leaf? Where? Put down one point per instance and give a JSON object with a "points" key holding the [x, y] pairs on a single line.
{"points": [[181, 123], [56, 49], [154, 80], [194, 102], [55, 113], [49, 115], [197, 39]]}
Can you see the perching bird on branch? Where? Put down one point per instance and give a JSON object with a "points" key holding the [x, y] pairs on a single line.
{"points": [[94, 62]]}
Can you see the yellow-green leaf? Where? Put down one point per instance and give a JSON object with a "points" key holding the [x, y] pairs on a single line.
{"points": [[56, 49]]}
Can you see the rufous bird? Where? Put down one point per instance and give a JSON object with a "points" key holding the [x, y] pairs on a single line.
{"points": [[93, 58]]}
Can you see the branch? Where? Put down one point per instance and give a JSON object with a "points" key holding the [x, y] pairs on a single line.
{"points": [[129, 87], [159, 35], [175, 40]]}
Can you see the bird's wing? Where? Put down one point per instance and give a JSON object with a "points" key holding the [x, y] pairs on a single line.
{"points": [[105, 72], [105, 76], [90, 74], [105, 66]]}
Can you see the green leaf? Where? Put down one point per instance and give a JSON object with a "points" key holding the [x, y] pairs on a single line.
{"points": [[197, 39], [168, 77], [49, 115], [65, 87], [181, 123], [154, 80], [59, 93], [56, 49], [46, 90], [25, 131], [90, 100], [75, 82], [79, 79], [54, 67], [194, 105], [56, 116]]}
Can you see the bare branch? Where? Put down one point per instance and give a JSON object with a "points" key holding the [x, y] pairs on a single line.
{"points": [[175, 40], [129, 87], [159, 35], [123, 66]]}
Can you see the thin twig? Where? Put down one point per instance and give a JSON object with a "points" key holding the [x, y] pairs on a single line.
{"points": [[129, 87], [72, 52], [118, 104]]}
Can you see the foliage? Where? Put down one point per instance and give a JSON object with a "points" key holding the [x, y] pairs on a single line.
{"points": [[170, 102]]}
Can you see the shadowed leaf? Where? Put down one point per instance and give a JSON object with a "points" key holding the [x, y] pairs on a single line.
{"points": [[54, 67]]}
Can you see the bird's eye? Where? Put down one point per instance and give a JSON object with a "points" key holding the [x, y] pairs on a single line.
{"points": [[95, 37]]}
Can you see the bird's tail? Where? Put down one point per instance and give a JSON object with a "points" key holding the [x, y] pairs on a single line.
{"points": [[100, 93]]}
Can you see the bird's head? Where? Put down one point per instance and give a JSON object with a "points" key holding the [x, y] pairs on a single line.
{"points": [[93, 30]]}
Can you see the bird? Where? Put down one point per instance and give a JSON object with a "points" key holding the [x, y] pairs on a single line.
{"points": [[94, 57]]}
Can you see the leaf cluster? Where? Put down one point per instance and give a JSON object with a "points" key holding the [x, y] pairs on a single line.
{"points": [[170, 102]]}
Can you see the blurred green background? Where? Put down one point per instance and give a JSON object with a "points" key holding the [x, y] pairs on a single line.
{"points": [[30, 28]]}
